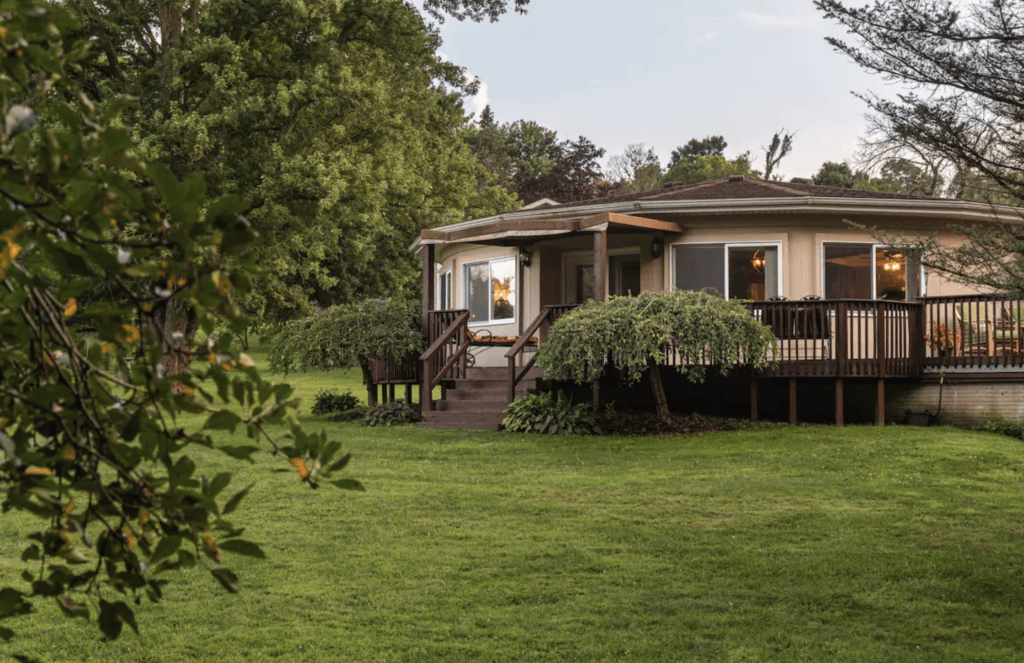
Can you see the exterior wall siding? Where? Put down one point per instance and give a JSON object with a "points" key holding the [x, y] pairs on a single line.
{"points": [[963, 404]]}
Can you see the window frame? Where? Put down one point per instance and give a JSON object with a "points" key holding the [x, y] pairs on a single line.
{"points": [[875, 246], [777, 244], [445, 277], [490, 289]]}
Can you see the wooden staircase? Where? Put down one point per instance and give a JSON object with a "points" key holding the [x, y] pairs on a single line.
{"points": [[476, 401]]}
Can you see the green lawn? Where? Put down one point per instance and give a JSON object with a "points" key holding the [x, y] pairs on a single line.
{"points": [[788, 544]]}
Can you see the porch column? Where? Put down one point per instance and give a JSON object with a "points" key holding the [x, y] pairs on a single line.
{"points": [[600, 287], [426, 401], [600, 264], [429, 280]]}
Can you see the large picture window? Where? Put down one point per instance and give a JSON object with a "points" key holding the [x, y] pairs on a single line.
{"points": [[491, 291], [736, 271], [869, 271]]}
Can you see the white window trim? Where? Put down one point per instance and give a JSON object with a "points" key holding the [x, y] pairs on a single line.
{"points": [[441, 276], [922, 281], [725, 262], [490, 290]]}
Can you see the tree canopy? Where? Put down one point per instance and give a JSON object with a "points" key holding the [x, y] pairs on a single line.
{"points": [[964, 65], [92, 439], [337, 123], [704, 147], [705, 168], [637, 169]]}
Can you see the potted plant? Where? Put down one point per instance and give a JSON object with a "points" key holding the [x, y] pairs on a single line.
{"points": [[943, 340]]}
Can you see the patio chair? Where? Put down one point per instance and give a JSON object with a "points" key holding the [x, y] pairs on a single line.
{"points": [[976, 331], [1010, 329]]}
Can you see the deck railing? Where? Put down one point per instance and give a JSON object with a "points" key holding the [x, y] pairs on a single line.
{"points": [[548, 316], [445, 358], [843, 338], [973, 332]]}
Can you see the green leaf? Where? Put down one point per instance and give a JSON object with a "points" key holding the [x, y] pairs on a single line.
{"points": [[223, 420], [226, 578], [218, 484], [241, 547], [165, 548], [113, 616], [234, 501]]}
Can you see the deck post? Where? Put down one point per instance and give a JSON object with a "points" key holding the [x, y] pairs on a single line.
{"points": [[600, 288], [426, 399], [391, 392], [880, 403], [408, 394], [839, 402], [428, 289], [792, 401], [753, 399]]}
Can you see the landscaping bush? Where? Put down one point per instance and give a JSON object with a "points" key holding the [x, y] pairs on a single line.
{"points": [[395, 413], [544, 414], [996, 423], [329, 401]]}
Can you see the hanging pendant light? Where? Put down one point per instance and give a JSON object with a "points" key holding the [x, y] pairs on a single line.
{"points": [[758, 261]]}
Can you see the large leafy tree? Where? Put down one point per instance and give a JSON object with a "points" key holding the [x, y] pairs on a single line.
{"points": [[95, 441], [337, 124], [700, 168], [698, 147], [964, 65], [637, 169]]}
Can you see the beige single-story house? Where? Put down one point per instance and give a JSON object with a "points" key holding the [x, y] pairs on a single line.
{"points": [[792, 247]]}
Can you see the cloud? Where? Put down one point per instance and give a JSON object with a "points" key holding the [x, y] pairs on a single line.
{"points": [[762, 21], [475, 104]]}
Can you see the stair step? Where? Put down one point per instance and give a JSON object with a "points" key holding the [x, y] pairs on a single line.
{"points": [[492, 406], [468, 421]]}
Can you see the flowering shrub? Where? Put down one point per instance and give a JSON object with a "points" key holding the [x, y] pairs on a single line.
{"points": [[942, 337]]}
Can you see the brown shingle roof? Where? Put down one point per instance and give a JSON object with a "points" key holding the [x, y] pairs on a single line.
{"points": [[748, 188]]}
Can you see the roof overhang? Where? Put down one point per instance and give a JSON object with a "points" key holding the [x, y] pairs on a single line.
{"points": [[516, 231], [527, 226]]}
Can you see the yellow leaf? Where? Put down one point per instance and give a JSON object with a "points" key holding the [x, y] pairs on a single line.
{"points": [[70, 308], [210, 543], [39, 471], [143, 515], [300, 465], [69, 453], [69, 507]]}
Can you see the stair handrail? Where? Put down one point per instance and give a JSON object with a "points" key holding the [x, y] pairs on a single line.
{"points": [[514, 377], [462, 342]]}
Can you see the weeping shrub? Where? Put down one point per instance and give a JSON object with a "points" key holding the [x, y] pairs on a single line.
{"points": [[635, 334]]}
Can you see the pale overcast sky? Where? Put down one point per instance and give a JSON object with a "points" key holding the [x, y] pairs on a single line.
{"points": [[662, 72]]}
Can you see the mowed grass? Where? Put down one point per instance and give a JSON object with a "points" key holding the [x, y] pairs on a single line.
{"points": [[788, 544]]}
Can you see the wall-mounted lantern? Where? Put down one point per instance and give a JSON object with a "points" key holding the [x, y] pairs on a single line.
{"points": [[657, 246], [524, 256]]}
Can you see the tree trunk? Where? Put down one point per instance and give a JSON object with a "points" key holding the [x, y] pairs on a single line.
{"points": [[177, 326], [658, 390], [371, 387]]}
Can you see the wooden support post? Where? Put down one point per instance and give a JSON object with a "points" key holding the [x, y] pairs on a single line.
{"points": [[792, 401], [428, 289], [839, 402], [753, 399], [880, 403], [597, 396], [426, 401], [511, 377], [600, 265], [391, 392], [408, 394]]}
